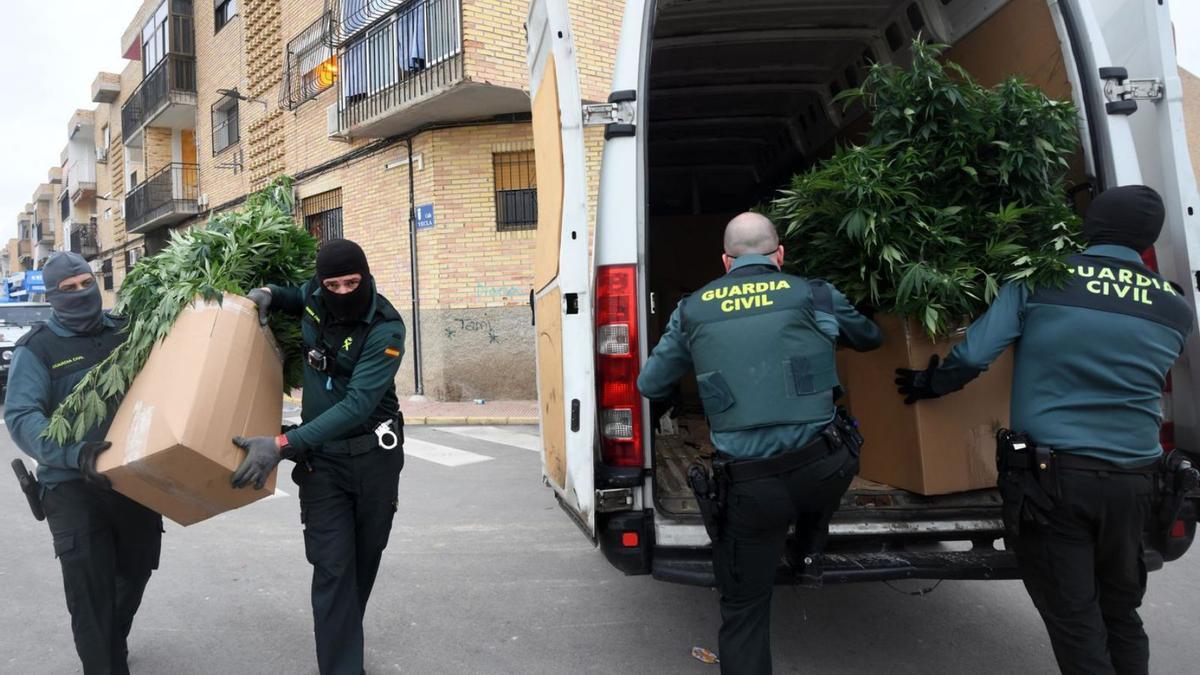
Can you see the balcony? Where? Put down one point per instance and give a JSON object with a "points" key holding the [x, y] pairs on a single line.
{"points": [[81, 181], [400, 65], [166, 98], [43, 233], [85, 240], [165, 198]]}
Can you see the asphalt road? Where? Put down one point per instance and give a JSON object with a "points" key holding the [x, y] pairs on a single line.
{"points": [[484, 574]]}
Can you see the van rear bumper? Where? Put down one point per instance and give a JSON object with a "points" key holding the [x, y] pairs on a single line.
{"points": [[693, 566]]}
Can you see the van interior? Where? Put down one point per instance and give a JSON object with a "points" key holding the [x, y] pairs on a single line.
{"points": [[740, 98]]}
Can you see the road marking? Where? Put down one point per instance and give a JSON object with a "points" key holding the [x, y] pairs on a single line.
{"points": [[440, 454], [497, 435]]}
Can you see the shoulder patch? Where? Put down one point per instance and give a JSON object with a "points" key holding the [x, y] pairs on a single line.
{"points": [[822, 296]]}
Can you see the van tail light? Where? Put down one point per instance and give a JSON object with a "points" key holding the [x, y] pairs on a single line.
{"points": [[1178, 530], [617, 366], [1166, 433]]}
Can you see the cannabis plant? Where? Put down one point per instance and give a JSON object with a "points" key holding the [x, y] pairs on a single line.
{"points": [[958, 189], [237, 251]]}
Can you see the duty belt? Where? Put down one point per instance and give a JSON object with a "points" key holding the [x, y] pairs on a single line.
{"points": [[742, 470], [355, 445], [1033, 457]]}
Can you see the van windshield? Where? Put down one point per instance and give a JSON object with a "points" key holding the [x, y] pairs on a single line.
{"points": [[24, 315]]}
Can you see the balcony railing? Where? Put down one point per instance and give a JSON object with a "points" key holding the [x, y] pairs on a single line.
{"points": [[168, 196], [85, 240], [176, 75], [397, 58]]}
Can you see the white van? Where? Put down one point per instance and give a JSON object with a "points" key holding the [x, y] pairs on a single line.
{"points": [[715, 103]]}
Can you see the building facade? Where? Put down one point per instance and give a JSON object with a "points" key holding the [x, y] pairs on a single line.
{"points": [[405, 124]]}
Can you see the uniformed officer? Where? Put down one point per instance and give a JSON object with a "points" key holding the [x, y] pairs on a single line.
{"points": [[1091, 361], [761, 343], [106, 544], [349, 446]]}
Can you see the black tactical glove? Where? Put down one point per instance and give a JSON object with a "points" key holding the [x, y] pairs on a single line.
{"points": [[915, 385], [261, 297], [262, 456], [87, 463]]}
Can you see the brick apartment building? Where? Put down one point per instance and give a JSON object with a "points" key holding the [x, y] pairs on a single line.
{"points": [[378, 109]]}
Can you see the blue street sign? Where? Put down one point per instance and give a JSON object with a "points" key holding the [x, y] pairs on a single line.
{"points": [[425, 217], [34, 281]]}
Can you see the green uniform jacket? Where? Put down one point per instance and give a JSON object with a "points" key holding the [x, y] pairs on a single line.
{"points": [[671, 360], [1091, 358], [33, 396], [335, 407]]}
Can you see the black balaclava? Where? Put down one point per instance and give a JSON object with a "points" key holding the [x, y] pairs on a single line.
{"points": [[1130, 216], [78, 311], [337, 259]]}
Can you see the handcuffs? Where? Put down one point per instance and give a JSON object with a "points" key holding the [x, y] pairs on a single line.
{"points": [[388, 438]]}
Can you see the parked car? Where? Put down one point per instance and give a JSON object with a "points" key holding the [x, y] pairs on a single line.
{"points": [[16, 318], [714, 104]]}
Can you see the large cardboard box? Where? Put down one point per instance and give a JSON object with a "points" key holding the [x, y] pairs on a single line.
{"points": [[935, 446], [218, 374]]}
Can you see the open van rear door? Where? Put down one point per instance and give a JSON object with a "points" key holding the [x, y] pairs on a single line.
{"points": [[1129, 88], [561, 293]]}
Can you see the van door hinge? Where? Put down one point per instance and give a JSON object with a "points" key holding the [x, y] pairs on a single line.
{"points": [[1123, 93], [618, 115], [615, 499]]}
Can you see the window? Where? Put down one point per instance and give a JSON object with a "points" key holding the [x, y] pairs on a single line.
{"points": [[64, 206], [415, 36], [105, 143], [516, 190], [106, 273], [154, 39], [223, 13], [225, 122], [131, 257], [311, 65], [323, 215]]}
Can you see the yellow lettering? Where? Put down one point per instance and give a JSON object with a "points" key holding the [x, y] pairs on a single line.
{"points": [[1085, 272], [1106, 273], [766, 301], [1145, 299], [1168, 288], [727, 305], [721, 293], [748, 288], [781, 285], [762, 287], [708, 295], [1093, 287], [1125, 276], [1122, 291], [1144, 281]]}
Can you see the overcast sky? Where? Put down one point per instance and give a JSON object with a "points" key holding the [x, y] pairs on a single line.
{"points": [[55, 54]]}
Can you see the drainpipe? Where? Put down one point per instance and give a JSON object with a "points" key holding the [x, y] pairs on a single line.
{"points": [[418, 381]]}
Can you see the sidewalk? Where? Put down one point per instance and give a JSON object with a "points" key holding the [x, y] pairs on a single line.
{"points": [[491, 413]]}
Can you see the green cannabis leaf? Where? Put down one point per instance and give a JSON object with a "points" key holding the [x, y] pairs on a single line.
{"points": [[235, 252], [956, 189]]}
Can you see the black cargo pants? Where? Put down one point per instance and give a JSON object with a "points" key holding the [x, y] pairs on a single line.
{"points": [[346, 504], [757, 515], [107, 545], [1084, 571]]}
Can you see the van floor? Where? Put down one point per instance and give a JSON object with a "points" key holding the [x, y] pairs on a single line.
{"points": [[684, 441]]}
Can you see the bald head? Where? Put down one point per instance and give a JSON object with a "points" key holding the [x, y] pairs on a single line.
{"points": [[750, 234]]}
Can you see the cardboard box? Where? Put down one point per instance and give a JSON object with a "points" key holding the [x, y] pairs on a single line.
{"points": [[935, 446], [218, 374]]}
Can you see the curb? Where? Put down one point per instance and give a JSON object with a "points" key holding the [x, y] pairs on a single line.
{"points": [[454, 420], [435, 420]]}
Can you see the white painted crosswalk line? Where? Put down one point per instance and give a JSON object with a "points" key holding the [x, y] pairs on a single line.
{"points": [[497, 435], [440, 454]]}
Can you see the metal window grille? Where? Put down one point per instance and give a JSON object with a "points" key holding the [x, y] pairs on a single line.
{"points": [[106, 273], [132, 256], [224, 114], [516, 190], [323, 216], [310, 65]]}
